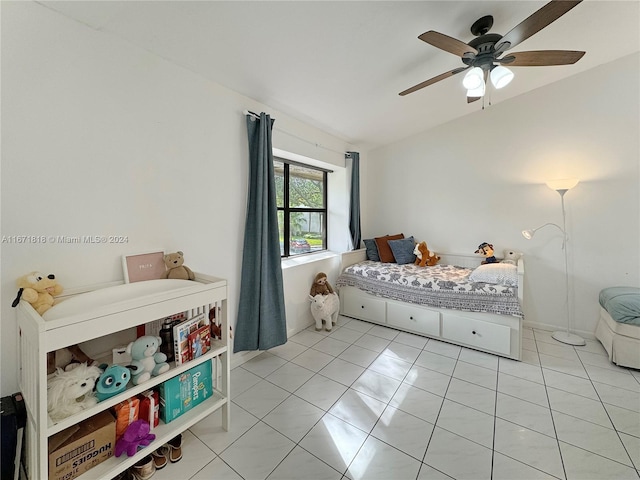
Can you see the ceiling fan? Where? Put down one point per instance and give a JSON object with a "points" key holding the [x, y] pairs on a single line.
{"points": [[485, 57]]}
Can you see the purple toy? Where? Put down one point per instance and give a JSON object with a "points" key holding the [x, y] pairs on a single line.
{"points": [[136, 435]]}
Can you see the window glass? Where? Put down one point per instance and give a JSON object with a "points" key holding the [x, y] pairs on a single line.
{"points": [[302, 213]]}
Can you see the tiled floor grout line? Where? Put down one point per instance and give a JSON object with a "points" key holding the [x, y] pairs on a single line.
{"points": [[413, 364], [553, 422], [615, 429], [435, 422]]}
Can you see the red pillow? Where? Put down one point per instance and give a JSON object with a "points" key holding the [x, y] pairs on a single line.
{"points": [[384, 250]]}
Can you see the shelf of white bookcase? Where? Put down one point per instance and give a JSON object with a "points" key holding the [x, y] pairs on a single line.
{"points": [[217, 349], [163, 432]]}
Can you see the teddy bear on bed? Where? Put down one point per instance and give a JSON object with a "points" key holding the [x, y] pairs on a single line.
{"points": [[38, 289], [425, 258]]}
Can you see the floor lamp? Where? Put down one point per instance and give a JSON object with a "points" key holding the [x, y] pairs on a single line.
{"points": [[561, 186]]}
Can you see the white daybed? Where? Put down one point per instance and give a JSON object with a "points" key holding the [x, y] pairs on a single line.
{"points": [[499, 334]]}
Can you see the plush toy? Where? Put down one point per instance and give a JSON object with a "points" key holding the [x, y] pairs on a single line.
{"points": [[71, 392], [425, 258], [136, 435], [114, 379], [325, 307], [320, 285], [486, 249], [146, 361], [176, 268], [216, 329], [38, 290], [511, 256]]}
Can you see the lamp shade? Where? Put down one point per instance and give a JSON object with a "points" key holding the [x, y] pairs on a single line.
{"points": [[501, 76], [562, 184], [473, 79], [477, 92]]}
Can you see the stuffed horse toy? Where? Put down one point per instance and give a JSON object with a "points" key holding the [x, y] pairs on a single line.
{"points": [[70, 392]]}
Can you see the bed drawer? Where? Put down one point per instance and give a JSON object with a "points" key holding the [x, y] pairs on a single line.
{"points": [[413, 318], [365, 308], [476, 333]]}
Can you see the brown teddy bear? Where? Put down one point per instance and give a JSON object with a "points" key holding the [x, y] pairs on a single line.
{"points": [[38, 290], [321, 285], [176, 268], [425, 258]]}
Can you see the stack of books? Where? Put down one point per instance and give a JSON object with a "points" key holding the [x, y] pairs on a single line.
{"points": [[191, 338]]}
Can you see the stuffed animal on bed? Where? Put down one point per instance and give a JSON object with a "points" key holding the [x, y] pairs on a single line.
{"points": [[425, 258], [511, 256], [321, 285], [176, 268], [38, 289], [486, 249]]}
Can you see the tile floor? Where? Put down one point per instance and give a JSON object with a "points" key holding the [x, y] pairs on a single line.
{"points": [[368, 402]]}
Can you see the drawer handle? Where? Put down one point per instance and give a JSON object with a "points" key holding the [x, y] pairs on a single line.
{"points": [[410, 318], [361, 306], [473, 331]]}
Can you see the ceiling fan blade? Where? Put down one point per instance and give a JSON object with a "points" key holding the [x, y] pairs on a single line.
{"points": [[433, 80], [536, 22], [541, 58], [448, 44]]}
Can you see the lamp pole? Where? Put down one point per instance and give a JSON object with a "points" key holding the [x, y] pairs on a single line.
{"points": [[566, 337]]}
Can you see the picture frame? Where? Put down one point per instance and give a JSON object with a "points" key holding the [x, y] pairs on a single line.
{"points": [[138, 267]]}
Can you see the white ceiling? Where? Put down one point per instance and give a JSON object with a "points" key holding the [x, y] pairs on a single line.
{"points": [[340, 65]]}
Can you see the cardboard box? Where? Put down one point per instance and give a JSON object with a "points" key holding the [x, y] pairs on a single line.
{"points": [[183, 392], [78, 448]]}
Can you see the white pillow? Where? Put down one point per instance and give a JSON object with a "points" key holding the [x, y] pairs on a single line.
{"points": [[498, 273]]}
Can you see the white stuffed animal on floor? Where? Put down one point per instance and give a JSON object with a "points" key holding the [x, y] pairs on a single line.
{"points": [[325, 307]]}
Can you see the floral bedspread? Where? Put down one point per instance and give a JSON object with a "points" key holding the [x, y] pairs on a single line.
{"points": [[440, 286]]}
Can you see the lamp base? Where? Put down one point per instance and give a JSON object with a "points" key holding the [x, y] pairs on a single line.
{"points": [[568, 338]]}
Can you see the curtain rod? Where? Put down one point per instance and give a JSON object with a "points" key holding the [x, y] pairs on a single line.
{"points": [[255, 115]]}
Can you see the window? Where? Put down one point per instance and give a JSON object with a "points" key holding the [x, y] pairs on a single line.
{"points": [[301, 192]]}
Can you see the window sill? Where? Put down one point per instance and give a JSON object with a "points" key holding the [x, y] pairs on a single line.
{"points": [[307, 259]]}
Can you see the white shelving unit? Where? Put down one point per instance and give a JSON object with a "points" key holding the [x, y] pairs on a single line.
{"points": [[38, 337]]}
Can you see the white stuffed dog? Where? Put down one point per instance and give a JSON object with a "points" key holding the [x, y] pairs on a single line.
{"points": [[325, 307], [71, 392], [511, 256]]}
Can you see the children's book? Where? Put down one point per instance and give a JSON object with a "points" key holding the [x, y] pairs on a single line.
{"points": [[200, 341], [181, 336]]}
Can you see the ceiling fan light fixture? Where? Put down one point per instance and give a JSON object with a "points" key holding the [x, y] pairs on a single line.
{"points": [[501, 76], [477, 92], [473, 79]]}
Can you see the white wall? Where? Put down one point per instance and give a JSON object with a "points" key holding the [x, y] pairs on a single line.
{"points": [[102, 138], [482, 178]]}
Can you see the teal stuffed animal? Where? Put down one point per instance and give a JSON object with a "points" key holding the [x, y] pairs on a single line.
{"points": [[114, 379], [146, 360]]}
